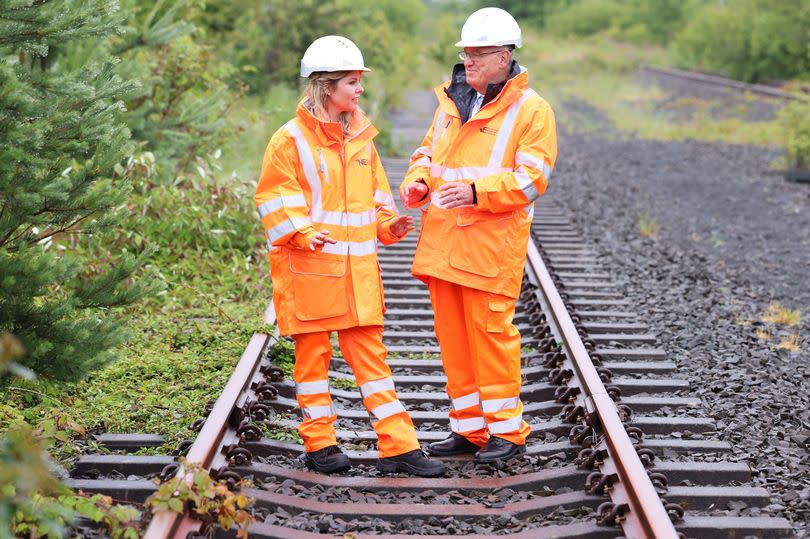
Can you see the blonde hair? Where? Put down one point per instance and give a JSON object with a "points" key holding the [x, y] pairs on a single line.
{"points": [[320, 83]]}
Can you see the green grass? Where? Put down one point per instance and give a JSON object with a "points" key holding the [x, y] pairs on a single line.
{"points": [[646, 221]]}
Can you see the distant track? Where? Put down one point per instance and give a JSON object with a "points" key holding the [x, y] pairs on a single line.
{"points": [[714, 80]]}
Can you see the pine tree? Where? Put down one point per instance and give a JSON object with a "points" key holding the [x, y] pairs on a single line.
{"points": [[61, 135]]}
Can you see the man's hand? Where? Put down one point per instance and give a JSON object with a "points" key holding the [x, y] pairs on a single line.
{"points": [[455, 194], [319, 239], [413, 193], [401, 225]]}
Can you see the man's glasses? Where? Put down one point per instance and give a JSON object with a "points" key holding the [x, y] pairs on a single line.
{"points": [[477, 56]]}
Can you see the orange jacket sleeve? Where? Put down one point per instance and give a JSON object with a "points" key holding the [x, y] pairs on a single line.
{"points": [[384, 204], [421, 159], [280, 198]]}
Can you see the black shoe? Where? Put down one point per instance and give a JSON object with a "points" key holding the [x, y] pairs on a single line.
{"points": [[413, 462], [330, 459], [455, 444], [498, 449]]}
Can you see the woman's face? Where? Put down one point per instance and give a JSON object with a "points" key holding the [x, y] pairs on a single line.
{"points": [[345, 96]]}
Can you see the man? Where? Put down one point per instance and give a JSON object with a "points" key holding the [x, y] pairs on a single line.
{"points": [[482, 164]]}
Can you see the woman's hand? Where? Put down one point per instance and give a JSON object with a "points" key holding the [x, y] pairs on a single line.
{"points": [[319, 239], [413, 193], [401, 225]]}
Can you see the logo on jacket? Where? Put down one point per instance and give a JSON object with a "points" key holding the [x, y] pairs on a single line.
{"points": [[489, 131], [362, 162]]}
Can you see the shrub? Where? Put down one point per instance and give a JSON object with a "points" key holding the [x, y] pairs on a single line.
{"points": [[584, 18], [750, 40], [795, 120]]}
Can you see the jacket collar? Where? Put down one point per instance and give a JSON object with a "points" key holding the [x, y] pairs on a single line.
{"points": [[457, 97], [330, 132]]}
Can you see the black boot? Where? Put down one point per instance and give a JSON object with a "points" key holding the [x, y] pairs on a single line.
{"points": [[330, 459], [413, 462], [455, 444], [498, 449]]}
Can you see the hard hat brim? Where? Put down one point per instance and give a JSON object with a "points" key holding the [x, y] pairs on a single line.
{"points": [[463, 43], [307, 71]]}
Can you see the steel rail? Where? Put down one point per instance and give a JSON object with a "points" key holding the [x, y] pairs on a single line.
{"points": [[217, 432], [647, 517], [725, 82]]}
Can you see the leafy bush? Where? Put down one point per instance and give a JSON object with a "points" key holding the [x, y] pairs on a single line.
{"points": [[384, 30], [584, 18], [795, 120], [201, 227], [211, 501], [533, 13], [638, 21], [750, 40]]}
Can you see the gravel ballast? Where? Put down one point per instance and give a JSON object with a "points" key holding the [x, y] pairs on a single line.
{"points": [[732, 238]]}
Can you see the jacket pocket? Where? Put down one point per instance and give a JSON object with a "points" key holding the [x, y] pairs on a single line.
{"points": [[481, 242], [319, 285]]}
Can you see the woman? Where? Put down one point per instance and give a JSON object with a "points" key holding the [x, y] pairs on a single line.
{"points": [[324, 201]]}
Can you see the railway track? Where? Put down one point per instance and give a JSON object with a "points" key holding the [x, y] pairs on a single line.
{"points": [[589, 364], [714, 80]]}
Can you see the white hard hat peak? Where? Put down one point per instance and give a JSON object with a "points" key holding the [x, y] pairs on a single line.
{"points": [[490, 27], [332, 53]]}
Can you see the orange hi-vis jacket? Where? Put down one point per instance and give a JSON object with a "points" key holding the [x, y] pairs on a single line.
{"points": [[313, 180], [507, 150]]}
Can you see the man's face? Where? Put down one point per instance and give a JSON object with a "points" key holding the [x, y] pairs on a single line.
{"points": [[485, 65]]}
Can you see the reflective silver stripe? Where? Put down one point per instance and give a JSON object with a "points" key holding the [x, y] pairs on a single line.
{"points": [[466, 425], [354, 248], [384, 198], [422, 150], [465, 401], [375, 386], [316, 412], [343, 218], [437, 129], [523, 158], [464, 173], [421, 162], [529, 211], [507, 425], [307, 162], [283, 201], [526, 185], [491, 406], [291, 225], [312, 388], [387, 410], [505, 131]]}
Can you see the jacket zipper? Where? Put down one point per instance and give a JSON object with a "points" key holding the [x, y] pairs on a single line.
{"points": [[324, 169]]}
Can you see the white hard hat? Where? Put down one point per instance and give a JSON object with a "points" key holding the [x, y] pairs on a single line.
{"points": [[489, 27], [332, 53]]}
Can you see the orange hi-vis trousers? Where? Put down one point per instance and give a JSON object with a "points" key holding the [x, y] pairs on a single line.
{"points": [[480, 349], [365, 353]]}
